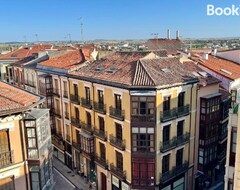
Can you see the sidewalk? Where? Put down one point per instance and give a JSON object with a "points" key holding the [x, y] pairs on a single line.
{"points": [[75, 179]]}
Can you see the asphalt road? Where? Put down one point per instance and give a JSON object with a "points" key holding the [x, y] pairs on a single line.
{"points": [[61, 183]]}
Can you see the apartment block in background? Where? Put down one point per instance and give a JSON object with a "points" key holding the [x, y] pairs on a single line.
{"points": [[25, 141]]}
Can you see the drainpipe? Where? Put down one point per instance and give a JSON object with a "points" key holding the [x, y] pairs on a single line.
{"points": [[23, 153]]}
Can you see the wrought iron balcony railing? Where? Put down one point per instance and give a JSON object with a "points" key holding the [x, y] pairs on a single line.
{"points": [[56, 91], [183, 139], [86, 127], [168, 115], [86, 103], [101, 161], [116, 113], [76, 145], [168, 145], [75, 99], [65, 94], [118, 172], [174, 142], [100, 107], [175, 171], [6, 158], [184, 110], [76, 122], [119, 143], [100, 134]]}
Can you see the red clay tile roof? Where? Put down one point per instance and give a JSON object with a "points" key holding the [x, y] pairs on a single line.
{"points": [[65, 61], [132, 69], [26, 51], [221, 66], [171, 45], [13, 98], [124, 62]]}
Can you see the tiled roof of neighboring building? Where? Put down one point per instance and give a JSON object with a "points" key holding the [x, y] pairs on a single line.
{"points": [[25, 51], [65, 61], [133, 68], [171, 45], [14, 98], [118, 67], [221, 66]]}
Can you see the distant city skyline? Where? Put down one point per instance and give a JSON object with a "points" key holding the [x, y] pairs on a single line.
{"points": [[112, 20]]}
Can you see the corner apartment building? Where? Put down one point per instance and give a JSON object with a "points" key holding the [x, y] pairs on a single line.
{"points": [[133, 120], [25, 141], [228, 73]]}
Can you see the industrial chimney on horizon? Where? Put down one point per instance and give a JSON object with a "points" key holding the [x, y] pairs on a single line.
{"points": [[177, 34], [168, 34]]}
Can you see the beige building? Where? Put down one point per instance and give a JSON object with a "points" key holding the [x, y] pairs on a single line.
{"points": [[25, 141]]}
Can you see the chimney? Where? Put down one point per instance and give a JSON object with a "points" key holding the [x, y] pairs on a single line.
{"points": [[168, 34], [214, 52], [177, 34], [205, 56]]}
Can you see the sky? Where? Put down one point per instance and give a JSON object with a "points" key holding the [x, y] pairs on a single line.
{"points": [[54, 20]]}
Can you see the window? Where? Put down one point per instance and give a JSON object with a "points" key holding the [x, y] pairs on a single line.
{"points": [[179, 158], [233, 97], [58, 127], [76, 113], [56, 84], [100, 97], [89, 119], [7, 183], [143, 172], [165, 163], [143, 105], [180, 128], [87, 93], [75, 87], [166, 133], [143, 139], [87, 144], [119, 161], [118, 102], [4, 142], [181, 99], [233, 146], [166, 103], [118, 131], [102, 151], [101, 124]]}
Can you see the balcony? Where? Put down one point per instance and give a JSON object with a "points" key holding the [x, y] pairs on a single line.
{"points": [[101, 161], [56, 92], [143, 118], [168, 145], [76, 145], [6, 159], [57, 112], [57, 141], [119, 143], [30, 83], [86, 127], [118, 172], [99, 107], [168, 115], [183, 139], [222, 138], [221, 155], [75, 122], [66, 115], [174, 142], [100, 134], [116, 113], [86, 103], [75, 99], [68, 138], [167, 176], [184, 110], [65, 94]]}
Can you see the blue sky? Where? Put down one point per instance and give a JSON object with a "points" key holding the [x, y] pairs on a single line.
{"points": [[113, 19]]}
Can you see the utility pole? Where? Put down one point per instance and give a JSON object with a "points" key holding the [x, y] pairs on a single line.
{"points": [[36, 35], [156, 37], [81, 28], [69, 36]]}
